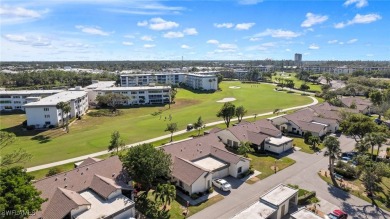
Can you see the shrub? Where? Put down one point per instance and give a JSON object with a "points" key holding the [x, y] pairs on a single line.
{"points": [[305, 199], [210, 190], [290, 92], [30, 127], [348, 172], [194, 196], [24, 123], [51, 126], [306, 137], [53, 171]]}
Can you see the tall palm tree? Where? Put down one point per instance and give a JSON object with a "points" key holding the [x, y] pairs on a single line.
{"points": [[66, 110], [375, 139], [61, 106], [332, 145]]}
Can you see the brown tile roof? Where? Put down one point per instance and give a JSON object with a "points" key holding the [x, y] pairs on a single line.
{"points": [[194, 148], [213, 130], [225, 155], [89, 160], [301, 115], [186, 171], [358, 101], [58, 207], [75, 197], [103, 186], [77, 180], [256, 138], [324, 120], [248, 131], [308, 126]]}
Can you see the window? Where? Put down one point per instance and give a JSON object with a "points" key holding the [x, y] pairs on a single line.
{"points": [[17, 102], [180, 183], [235, 144], [45, 109], [47, 116], [229, 142], [141, 92], [239, 170]]}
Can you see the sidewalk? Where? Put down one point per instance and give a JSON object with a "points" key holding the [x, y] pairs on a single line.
{"points": [[76, 159]]}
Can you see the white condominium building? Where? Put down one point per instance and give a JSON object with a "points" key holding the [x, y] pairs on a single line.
{"points": [[198, 80], [92, 89], [131, 80], [141, 95], [43, 112], [202, 82], [15, 99]]}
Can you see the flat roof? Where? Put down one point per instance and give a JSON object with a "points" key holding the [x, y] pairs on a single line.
{"points": [[279, 194], [209, 163], [101, 84], [201, 75], [279, 141], [100, 207], [134, 88], [304, 214], [256, 211], [56, 98], [25, 92]]}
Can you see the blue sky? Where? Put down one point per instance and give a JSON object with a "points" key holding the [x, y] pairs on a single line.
{"points": [[86, 30]]}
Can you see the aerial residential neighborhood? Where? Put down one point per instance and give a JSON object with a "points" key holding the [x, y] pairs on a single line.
{"points": [[241, 109]]}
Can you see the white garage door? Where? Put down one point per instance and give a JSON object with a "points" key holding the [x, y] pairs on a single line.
{"points": [[221, 173]]}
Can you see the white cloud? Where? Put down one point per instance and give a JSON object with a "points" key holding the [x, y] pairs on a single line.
{"points": [[341, 43], [13, 15], [149, 45], [190, 31], [227, 46], [224, 25], [249, 2], [161, 24], [359, 19], [369, 55], [358, 3], [172, 34], [313, 19], [332, 41], [253, 39], [129, 36], [127, 43], [146, 38], [185, 46], [314, 46], [352, 41], [31, 40], [244, 26], [288, 50], [212, 42], [142, 23], [138, 7], [77, 45], [278, 33], [92, 30]]}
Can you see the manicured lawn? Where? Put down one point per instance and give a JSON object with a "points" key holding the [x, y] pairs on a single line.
{"points": [[297, 82], [265, 164], [92, 134], [299, 142], [178, 206]]}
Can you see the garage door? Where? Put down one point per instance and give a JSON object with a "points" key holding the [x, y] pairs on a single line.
{"points": [[221, 173]]}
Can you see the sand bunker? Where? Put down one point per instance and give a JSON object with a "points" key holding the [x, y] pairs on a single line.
{"points": [[234, 87], [228, 99]]}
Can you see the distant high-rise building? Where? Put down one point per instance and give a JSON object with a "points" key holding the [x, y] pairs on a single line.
{"points": [[298, 59]]}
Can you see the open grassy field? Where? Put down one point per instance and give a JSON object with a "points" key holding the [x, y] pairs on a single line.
{"points": [[299, 142], [297, 82], [92, 134]]}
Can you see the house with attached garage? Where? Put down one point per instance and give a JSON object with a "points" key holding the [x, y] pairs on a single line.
{"points": [[198, 161], [94, 189], [261, 134], [319, 120], [363, 105]]}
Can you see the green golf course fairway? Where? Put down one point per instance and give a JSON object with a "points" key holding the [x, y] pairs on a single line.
{"points": [[92, 134]]}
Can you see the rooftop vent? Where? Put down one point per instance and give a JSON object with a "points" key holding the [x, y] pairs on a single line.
{"points": [[64, 178], [87, 168], [65, 186], [82, 173], [56, 179], [113, 174]]}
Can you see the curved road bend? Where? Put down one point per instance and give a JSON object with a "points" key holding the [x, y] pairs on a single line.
{"points": [[76, 159]]}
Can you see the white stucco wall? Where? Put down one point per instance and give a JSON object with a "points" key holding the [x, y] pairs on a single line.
{"points": [[126, 214], [226, 135], [115, 194], [278, 149], [36, 115], [201, 185], [233, 168]]}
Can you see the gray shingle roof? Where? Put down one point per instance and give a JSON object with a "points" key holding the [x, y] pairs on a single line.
{"points": [[186, 171]]}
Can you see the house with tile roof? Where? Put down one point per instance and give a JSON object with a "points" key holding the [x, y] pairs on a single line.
{"points": [[262, 135], [363, 105], [95, 189], [318, 120], [196, 162]]}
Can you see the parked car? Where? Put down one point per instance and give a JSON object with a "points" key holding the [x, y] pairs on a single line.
{"points": [[222, 184], [345, 159], [337, 214]]}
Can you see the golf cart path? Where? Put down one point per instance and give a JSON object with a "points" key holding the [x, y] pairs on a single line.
{"points": [[76, 159]]}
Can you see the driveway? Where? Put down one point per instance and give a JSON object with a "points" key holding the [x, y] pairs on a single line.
{"points": [[302, 173]]}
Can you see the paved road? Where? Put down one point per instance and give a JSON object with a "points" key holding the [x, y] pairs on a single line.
{"points": [[76, 159], [302, 173]]}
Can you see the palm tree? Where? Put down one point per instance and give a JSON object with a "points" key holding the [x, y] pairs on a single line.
{"points": [[166, 193], [171, 127], [66, 110], [314, 141], [61, 106], [332, 145], [374, 139]]}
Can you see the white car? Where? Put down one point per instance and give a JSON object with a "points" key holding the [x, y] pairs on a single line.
{"points": [[222, 184]]}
